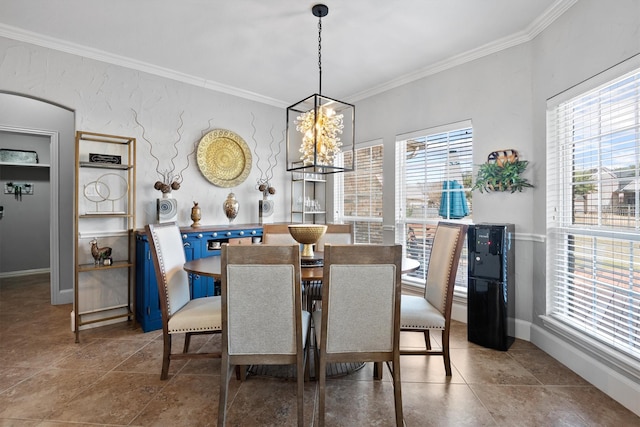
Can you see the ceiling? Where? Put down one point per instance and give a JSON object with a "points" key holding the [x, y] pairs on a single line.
{"points": [[268, 50]]}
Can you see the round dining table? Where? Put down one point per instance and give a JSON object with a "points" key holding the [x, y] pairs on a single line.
{"points": [[210, 267], [311, 274]]}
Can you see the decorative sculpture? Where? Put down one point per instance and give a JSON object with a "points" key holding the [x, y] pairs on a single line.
{"points": [[170, 180], [263, 183], [100, 254]]}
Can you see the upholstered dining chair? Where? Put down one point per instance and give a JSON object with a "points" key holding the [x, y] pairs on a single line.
{"points": [[277, 234], [360, 316], [337, 234], [432, 310], [180, 313], [262, 317]]}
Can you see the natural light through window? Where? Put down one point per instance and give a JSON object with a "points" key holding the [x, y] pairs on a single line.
{"points": [[434, 171], [593, 195]]}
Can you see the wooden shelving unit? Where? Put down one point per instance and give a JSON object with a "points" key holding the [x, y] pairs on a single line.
{"points": [[105, 211]]}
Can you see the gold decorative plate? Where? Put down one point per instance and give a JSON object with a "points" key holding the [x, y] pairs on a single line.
{"points": [[224, 158]]}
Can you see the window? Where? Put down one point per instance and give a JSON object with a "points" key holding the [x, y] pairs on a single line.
{"points": [[593, 194], [358, 195], [433, 183]]}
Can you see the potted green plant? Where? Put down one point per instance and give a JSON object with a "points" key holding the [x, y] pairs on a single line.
{"points": [[502, 176]]}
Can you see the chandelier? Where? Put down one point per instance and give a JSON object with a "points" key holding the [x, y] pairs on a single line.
{"points": [[316, 125]]}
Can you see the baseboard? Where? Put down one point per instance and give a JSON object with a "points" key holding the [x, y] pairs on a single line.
{"points": [[8, 274], [459, 313], [611, 382]]}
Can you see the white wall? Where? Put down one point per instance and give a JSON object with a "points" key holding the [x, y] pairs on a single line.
{"points": [[503, 94], [103, 97], [24, 226], [495, 93]]}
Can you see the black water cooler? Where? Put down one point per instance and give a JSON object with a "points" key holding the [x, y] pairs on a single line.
{"points": [[491, 290]]}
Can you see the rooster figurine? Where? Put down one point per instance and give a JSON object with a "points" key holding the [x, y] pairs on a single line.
{"points": [[99, 254]]}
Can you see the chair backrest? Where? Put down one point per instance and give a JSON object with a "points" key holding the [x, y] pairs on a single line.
{"points": [[261, 300], [361, 298], [168, 256], [277, 234], [443, 265], [337, 234]]}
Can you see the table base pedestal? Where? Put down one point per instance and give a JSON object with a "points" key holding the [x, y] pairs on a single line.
{"points": [[289, 371]]}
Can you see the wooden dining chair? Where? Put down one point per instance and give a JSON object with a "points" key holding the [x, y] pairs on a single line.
{"points": [[432, 310], [180, 313], [337, 234], [341, 234], [262, 318], [277, 234], [360, 316]]}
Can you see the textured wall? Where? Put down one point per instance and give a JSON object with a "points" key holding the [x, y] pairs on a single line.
{"points": [[104, 97]]}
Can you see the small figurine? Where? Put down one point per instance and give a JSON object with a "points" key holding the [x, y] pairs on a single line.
{"points": [[99, 254], [196, 215]]}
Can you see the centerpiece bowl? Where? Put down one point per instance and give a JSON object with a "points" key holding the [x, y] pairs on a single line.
{"points": [[307, 235]]}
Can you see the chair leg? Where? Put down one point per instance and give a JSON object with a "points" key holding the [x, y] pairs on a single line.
{"points": [[241, 372], [316, 356], [445, 352], [166, 357], [427, 339], [300, 366], [322, 369], [225, 375], [377, 370], [187, 342], [397, 391]]}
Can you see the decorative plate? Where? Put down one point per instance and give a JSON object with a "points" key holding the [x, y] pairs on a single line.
{"points": [[224, 158]]}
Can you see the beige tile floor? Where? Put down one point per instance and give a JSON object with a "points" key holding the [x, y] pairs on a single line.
{"points": [[112, 378]]}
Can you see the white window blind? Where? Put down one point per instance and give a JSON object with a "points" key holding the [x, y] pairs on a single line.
{"points": [[593, 196], [358, 195], [434, 171]]}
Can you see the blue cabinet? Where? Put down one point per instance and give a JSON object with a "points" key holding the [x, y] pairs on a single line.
{"points": [[198, 243]]}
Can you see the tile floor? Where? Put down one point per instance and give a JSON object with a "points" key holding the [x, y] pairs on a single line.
{"points": [[112, 377]]}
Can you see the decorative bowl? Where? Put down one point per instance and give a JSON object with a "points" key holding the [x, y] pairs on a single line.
{"points": [[307, 235]]}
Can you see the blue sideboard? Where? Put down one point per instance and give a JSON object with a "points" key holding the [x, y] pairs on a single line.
{"points": [[198, 242]]}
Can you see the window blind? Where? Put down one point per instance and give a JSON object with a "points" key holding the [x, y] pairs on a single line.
{"points": [[593, 195], [359, 194], [434, 171]]}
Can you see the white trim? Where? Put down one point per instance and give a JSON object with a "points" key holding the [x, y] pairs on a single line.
{"points": [[459, 313], [624, 363], [449, 127], [529, 237], [54, 237], [619, 387], [20, 273], [603, 78], [535, 28], [22, 35]]}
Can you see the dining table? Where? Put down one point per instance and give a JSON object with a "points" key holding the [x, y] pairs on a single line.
{"points": [[210, 267], [311, 274]]}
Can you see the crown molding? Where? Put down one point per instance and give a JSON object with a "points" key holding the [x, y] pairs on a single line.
{"points": [[536, 27], [134, 64], [542, 22]]}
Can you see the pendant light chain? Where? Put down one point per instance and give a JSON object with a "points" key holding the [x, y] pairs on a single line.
{"points": [[320, 56]]}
